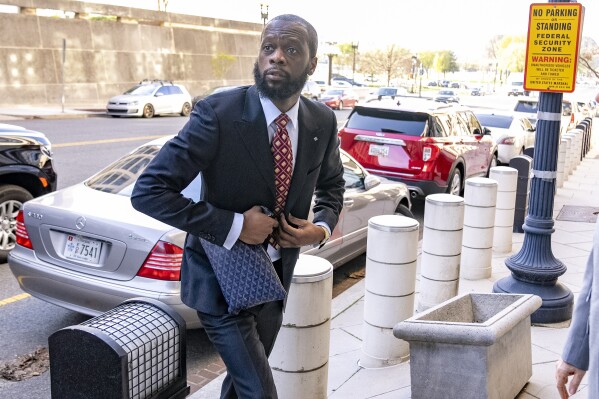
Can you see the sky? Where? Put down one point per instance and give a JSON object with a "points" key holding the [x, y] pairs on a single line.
{"points": [[464, 26]]}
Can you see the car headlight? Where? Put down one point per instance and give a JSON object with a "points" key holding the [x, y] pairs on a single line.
{"points": [[46, 150], [134, 102]]}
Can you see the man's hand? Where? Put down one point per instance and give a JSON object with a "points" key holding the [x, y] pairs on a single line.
{"points": [[306, 233], [562, 372], [256, 226]]}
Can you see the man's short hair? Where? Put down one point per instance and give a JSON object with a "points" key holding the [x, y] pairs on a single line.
{"points": [[312, 35]]}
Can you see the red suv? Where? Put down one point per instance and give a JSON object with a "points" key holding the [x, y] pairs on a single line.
{"points": [[431, 147]]}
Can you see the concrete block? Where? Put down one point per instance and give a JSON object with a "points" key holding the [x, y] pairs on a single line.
{"points": [[474, 346]]}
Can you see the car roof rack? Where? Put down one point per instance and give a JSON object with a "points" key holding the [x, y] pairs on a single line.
{"points": [[150, 81]]}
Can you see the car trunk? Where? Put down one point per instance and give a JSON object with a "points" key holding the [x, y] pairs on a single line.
{"points": [[91, 232]]}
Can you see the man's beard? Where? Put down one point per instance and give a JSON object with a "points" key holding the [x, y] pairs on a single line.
{"points": [[285, 91]]}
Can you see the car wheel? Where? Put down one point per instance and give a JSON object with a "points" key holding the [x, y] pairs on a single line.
{"points": [[186, 110], [340, 108], [148, 111], [403, 210], [455, 183], [492, 164], [11, 201]]}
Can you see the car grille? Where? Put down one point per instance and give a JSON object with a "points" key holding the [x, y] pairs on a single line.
{"points": [[118, 111]]}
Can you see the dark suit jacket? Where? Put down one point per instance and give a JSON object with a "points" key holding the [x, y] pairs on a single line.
{"points": [[226, 139]]}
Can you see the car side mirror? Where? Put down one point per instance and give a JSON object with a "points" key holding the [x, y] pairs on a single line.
{"points": [[486, 131], [371, 182]]}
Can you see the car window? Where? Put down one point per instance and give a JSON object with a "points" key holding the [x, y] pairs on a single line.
{"points": [[120, 176], [526, 125], [460, 128], [388, 121], [439, 127], [141, 90], [500, 121], [175, 90], [526, 106], [164, 90], [352, 173], [472, 123]]}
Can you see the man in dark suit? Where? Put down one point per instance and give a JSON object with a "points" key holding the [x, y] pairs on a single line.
{"points": [[228, 139]]}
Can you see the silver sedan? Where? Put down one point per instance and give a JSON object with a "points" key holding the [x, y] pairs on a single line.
{"points": [[86, 249]]}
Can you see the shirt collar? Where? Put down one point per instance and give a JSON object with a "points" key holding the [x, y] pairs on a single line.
{"points": [[271, 112]]}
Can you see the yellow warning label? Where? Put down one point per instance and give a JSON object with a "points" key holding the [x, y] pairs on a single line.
{"points": [[552, 46]]}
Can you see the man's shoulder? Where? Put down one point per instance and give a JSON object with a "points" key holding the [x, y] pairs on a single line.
{"points": [[316, 107]]}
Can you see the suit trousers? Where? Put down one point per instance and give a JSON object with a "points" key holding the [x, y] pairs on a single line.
{"points": [[244, 342]]}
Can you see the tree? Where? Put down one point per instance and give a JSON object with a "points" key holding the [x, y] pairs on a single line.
{"points": [[221, 64], [512, 53], [393, 62], [588, 57], [446, 61], [427, 58]]}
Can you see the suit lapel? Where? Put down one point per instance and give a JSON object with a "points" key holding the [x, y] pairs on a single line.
{"points": [[252, 132], [310, 137]]}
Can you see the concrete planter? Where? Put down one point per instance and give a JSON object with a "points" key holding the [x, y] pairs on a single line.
{"points": [[471, 346]]}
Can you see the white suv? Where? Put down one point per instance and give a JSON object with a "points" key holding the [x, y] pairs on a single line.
{"points": [[528, 108], [149, 98]]}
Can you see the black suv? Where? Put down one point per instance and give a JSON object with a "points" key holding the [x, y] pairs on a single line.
{"points": [[25, 172]]}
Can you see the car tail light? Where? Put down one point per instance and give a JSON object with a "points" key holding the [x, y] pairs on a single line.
{"points": [[22, 235], [163, 263], [572, 118], [507, 140], [430, 150]]}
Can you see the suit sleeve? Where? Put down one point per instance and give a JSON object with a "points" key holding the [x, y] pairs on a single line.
{"points": [[330, 185], [576, 349], [157, 191]]}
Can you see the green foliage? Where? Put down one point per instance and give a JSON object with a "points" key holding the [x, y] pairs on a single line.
{"points": [[221, 64], [446, 61]]}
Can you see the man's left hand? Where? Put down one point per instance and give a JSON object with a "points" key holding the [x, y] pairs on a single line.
{"points": [[306, 233]]}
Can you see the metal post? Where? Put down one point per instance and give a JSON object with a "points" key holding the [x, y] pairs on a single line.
{"points": [[535, 269], [353, 69], [64, 53]]}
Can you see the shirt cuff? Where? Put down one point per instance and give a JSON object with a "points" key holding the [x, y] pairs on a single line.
{"points": [[235, 231], [327, 236]]}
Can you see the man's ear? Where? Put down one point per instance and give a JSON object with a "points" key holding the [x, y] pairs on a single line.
{"points": [[313, 63]]}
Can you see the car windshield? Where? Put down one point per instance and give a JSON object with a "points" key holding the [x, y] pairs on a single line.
{"points": [[388, 121], [387, 92], [446, 92], [500, 121], [120, 177], [527, 106], [334, 92], [141, 90]]}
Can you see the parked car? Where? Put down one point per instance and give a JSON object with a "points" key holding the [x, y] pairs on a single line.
{"points": [[529, 107], [447, 96], [339, 98], [214, 90], [311, 90], [387, 92], [477, 91], [26, 172], [150, 98], [454, 85], [431, 147], [512, 133], [86, 249], [340, 83], [432, 83]]}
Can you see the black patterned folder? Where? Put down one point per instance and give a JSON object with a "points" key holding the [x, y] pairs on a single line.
{"points": [[245, 273]]}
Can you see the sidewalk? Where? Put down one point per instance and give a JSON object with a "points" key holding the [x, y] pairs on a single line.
{"points": [[8, 113], [571, 243]]}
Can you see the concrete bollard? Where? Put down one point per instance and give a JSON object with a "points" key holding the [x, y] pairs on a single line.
{"points": [[391, 256], [480, 197], [561, 162], [568, 160], [441, 249], [576, 147], [300, 357], [507, 182], [523, 165]]}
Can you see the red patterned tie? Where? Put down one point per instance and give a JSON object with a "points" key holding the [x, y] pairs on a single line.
{"points": [[283, 163]]}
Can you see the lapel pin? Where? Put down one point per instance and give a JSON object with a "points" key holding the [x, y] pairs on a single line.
{"points": [[315, 138]]}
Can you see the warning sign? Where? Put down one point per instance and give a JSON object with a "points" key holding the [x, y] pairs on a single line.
{"points": [[552, 46]]}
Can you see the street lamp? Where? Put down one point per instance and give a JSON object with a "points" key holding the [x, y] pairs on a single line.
{"points": [[331, 51], [354, 47], [264, 14], [414, 61]]}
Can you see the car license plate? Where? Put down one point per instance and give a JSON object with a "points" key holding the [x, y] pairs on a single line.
{"points": [[82, 248], [378, 150]]}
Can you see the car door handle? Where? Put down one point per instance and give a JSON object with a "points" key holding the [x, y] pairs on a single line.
{"points": [[348, 202]]}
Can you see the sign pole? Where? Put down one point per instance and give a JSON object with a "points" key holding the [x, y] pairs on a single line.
{"points": [[554, 30], [64, 54]]}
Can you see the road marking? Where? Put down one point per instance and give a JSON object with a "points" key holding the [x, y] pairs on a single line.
{"points": [[14, 299], [107, 141]]}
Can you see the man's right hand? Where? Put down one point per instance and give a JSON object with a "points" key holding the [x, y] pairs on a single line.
{"points": [[256, 226], [562, 372]]}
